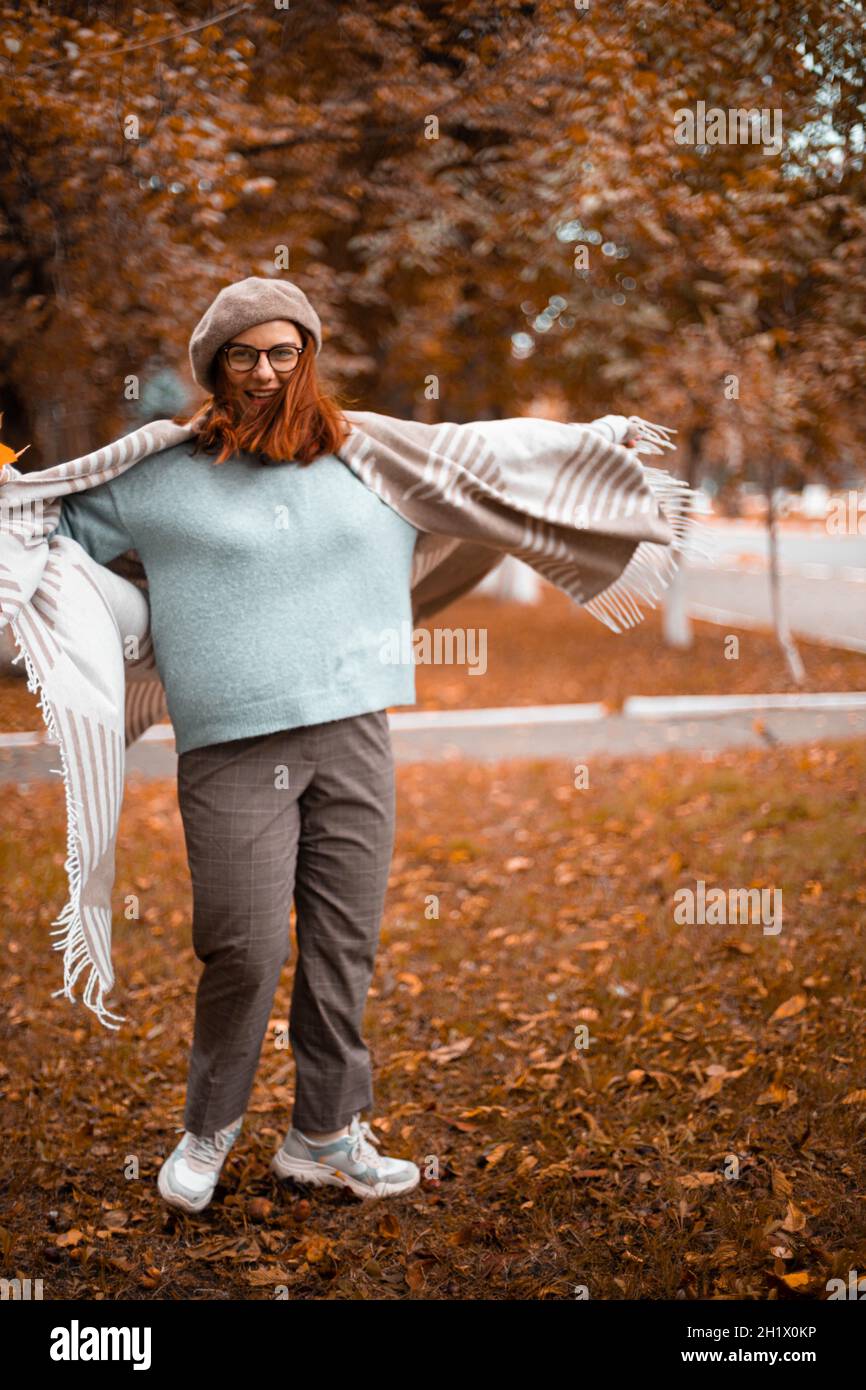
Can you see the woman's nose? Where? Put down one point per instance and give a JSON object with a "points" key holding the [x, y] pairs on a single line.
{"points": [[263, 372]]}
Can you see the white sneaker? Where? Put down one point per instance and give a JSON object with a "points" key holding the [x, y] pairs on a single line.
{"points": [[350, 1161], [190, 1174]]}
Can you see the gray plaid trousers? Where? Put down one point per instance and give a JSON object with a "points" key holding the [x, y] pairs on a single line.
{"points": [[305, 812]]}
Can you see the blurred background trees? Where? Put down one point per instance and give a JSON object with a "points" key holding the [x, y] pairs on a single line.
{"points": [[486, 203]]}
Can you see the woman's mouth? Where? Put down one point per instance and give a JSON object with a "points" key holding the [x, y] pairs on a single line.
{"points": [[261, 395]]}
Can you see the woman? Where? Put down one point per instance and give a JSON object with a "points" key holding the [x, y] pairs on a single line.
{"points": [[285, 766]]}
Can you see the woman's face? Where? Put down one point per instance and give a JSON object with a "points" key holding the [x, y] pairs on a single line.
{"points": [[263, 382]]}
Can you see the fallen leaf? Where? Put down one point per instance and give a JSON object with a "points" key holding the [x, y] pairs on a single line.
{"points": [[777, 1094], [795, 1219], [115, 1220], [389, 1226], [551, 1066], [415, 1276], [494, 1155], [73, 1237], [449, 1051], [711, 1088], [781, 1184], [792, 1006], [313, 1248], [264, 1276], [692, 1180]]}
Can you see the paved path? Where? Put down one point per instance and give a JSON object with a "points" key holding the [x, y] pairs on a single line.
{"points": [[823, 580], [575, 732]]}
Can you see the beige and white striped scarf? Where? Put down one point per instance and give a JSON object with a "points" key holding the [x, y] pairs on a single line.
{"points": [[571, 500]]}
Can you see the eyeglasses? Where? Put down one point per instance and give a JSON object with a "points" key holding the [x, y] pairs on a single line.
{"points": [[242, 357]]}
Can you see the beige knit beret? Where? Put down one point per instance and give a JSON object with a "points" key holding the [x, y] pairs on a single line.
{"points": [[240, 306]]}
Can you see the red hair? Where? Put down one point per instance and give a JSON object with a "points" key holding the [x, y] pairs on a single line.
{"points": [[301, 421]]}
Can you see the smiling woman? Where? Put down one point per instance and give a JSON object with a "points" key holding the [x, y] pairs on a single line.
{"points": [[266, 395], [285, 766], [268, 591], [260, 368]]}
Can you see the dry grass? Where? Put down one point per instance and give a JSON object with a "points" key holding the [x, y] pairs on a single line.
{"points": [[711, 1050]]}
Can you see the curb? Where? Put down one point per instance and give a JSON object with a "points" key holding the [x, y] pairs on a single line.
{"points": [[708, 706], [637, 708]]}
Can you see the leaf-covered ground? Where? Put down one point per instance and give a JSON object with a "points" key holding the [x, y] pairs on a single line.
{"points": [[709, 1140], [554, 653]]}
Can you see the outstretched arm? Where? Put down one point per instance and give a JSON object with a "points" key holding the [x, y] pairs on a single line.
{"points": [[91, 518]]}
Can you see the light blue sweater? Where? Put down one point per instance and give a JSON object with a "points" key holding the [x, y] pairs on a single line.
{"points": [[270, 587]]}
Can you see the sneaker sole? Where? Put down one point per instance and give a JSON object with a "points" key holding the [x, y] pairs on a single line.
{"points": [[323, 1175]]}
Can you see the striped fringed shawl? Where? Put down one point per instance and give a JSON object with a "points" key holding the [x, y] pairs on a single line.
{"points": [[570, 500]]}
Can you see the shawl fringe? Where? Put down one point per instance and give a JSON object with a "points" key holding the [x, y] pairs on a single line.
{"points": [[68, 926], [652, 567]]}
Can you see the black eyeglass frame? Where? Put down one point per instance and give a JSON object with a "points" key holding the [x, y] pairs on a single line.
{"points": [[267, 351]]}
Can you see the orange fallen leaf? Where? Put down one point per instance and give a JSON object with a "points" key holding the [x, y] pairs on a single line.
{"points": [[664, 1079], [389, 1226], [781, 1184], [312, 1248], [73, 1237], [415, 1276], [551, 1066], [692, 1180], [777, 1094], [496, 1154], [711, 1088], [795, 1005]]}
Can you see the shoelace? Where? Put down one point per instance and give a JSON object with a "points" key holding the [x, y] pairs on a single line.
{"points": [[362, 1148], [208, 1150]]}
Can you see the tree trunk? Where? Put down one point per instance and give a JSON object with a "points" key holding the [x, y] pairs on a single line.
{"points": [[676, 624], [784, 637]]}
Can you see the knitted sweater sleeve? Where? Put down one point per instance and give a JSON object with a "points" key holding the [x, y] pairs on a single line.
{"points": [[92, 519]]}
